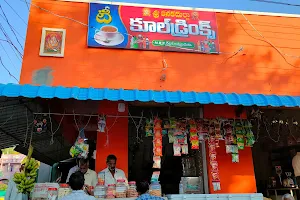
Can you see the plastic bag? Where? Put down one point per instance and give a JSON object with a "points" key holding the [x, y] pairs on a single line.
{"points": [[240, 142], [80, 149]]}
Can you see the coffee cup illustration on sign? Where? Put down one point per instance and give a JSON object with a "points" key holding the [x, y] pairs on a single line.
{"points": [[108, 36]]}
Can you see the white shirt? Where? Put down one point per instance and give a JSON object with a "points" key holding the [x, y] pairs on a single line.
{"points": [[110, 179], [72, 171], [296, 164], [12, 192], [78, 195], [90, 178]]}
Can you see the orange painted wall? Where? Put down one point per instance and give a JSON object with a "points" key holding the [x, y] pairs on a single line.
{"points": [[117, 142], [235, 177], [259, 68]]}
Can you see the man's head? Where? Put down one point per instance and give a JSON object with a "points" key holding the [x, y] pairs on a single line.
{"points": [[143, 187], [287, 197], [76, 181], [111, 162], [84, 165]]}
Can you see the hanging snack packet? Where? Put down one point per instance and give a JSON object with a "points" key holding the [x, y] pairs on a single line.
{"points": [[194, 142], [149, 127], [218, 130], [250, 139], [213, 157], [157, 132], [216, 186], [177, 149], [235, 149], [235, 157], [185, 149], [181, 139], [171, 136], [155, 176], [173, 123], [156, 162], [240, 142], [157, 142], [228, 149], [214, 166], [157, 150], [149, 131]]}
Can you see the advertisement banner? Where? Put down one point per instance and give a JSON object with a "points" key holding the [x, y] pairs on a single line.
{"points": [[130, 27]]}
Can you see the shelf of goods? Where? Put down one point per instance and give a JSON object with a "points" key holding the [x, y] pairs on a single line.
{"points": [[215, 196]]}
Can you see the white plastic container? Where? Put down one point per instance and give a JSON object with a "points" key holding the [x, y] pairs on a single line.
{"points": [[215, 197]]}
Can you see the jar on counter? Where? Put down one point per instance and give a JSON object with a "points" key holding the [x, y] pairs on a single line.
{"points": [[121, 189], [132, 192], [100, 191], [111, 191], [64, 190], [155, 189], [52, 194]]}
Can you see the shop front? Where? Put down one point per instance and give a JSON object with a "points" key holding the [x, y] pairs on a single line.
{"points": [[172, 92], [190, 148]]}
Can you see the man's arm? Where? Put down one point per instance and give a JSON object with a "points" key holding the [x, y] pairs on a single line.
{"points": [[71, 171]]}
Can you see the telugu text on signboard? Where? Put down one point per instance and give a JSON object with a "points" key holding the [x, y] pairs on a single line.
{"points": [[131, 27]]}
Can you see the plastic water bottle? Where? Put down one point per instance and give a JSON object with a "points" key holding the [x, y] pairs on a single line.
{"points": [[181, 188]]}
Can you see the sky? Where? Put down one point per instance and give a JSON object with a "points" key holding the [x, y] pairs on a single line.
{"points": [[14, 17]]}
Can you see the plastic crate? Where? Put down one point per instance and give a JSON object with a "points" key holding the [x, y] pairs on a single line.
{"points": [[215, 197]]}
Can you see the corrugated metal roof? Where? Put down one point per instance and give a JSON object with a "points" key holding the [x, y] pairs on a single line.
{"points": [[30, 91]]}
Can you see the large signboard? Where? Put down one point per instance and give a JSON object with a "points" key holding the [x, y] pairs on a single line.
{"points": [[131, 27]]}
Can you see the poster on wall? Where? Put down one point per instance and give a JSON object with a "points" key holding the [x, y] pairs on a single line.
{"points": [[53, 42], [130, 27]]}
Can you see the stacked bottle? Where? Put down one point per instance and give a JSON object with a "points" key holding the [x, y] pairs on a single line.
{"points": [[155, 189], [100, 191], [121, 189], [131, 193]]}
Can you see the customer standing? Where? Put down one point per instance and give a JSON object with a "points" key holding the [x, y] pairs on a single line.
{"points": [[76, 183]]}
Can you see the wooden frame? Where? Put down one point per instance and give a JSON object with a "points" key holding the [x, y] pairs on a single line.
{"points": [[53, 42]]}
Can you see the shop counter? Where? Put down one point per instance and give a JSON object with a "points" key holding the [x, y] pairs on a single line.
{"points": [[127, 198], [215, 196]]}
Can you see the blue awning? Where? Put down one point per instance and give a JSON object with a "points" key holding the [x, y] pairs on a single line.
{"points": [[48, 92]]}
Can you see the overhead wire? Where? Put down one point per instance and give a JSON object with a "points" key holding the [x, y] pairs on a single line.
{"points": [[10, 74], [276, 2], [8, 56], [23, 38], [264, 38], [9, 40], [10, 26], [15, 12]]}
